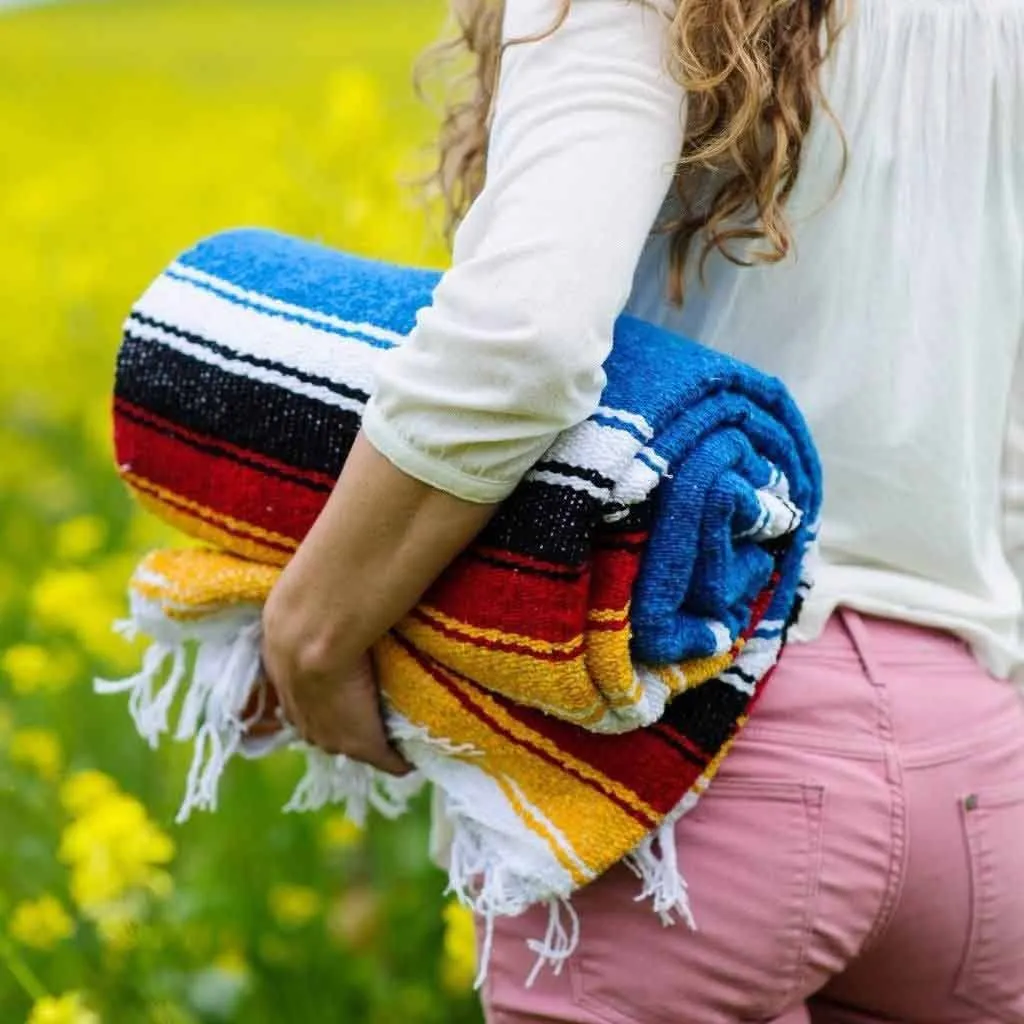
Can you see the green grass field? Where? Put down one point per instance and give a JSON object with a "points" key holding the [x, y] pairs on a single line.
{"points": [[130, 129]]}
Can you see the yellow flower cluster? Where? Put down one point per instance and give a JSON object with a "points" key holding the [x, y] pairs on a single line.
{"points": [[41, 923], [84, 604], [38, 749], [458, 965], [116, 855], [32, 668], [66, 1009], [294, 905], [340, 833], [188, 118]]}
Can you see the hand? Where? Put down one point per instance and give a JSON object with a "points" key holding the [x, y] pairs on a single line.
{"points": [[333, 704], [380, 541]]}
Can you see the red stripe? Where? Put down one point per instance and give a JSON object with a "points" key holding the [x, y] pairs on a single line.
{"points": [[639, 761], [527, 561], [489, 597], [180, 506], [240, 492], [440, 674], [137, 412], [614, 574]]}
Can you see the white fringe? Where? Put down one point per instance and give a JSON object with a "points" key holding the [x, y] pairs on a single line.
{"points": [[656, 864], [336, 779], [557, 945], [496, 867]]}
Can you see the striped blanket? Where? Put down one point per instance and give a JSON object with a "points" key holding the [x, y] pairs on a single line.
{"points": [[573, 680]]}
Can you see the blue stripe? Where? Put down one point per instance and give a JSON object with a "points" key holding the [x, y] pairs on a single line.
{"points": [[610, 421], [295, 318], [647, 459]]}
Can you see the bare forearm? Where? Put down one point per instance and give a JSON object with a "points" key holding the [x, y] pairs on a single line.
{"points": [[379, 543]]}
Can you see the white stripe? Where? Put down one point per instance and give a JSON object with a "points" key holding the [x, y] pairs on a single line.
{"points": [[595, 446], [247, 331], [276, 305], [758, 525], [627, 417], [575, 482], [561, 841], [737, 683], [652, 456], [723, 638], [636, 483], [241, 369]]}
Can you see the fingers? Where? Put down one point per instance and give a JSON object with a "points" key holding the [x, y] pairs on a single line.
{"points": [[344, 717], [352, 724]]}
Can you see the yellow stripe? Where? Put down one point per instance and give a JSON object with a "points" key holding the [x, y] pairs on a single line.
{"points": [[191, 583], [608, 614], [523, 732], [500, 635], [611, 667], [594, 826], [167, 505], [539, 828], [522, 677]]}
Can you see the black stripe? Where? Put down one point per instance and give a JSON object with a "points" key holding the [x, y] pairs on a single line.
{"points": [[707, 714], [308, 434], [223, 453], [580, 472], [618, 544], [569, 518], [746, 677], [679, 748], [262, 418], [245, 357]]}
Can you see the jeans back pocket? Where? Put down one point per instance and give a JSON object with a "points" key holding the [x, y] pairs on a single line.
{"points": [[751, 853]]}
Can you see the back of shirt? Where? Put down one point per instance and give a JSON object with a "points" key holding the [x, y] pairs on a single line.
{"points": [[897, 320]]}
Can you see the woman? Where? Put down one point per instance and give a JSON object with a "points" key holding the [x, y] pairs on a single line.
{"points": [[861, 855]]}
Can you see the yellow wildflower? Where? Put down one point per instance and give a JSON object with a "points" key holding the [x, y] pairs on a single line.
{"points": [[30, 667], [293, 905], [231, 961], [80, 537], [41, 923], [458, 963], [38, 749], [112, 849], [76, 601], [85, 789], [340, 833], [66, 1009]]}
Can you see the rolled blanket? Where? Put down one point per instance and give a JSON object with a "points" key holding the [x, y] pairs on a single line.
{"points": [[572, 682]]}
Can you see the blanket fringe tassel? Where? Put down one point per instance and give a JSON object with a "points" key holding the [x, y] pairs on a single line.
{"points": [[220, 685]]}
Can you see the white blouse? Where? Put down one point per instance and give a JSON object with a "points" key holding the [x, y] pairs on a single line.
{"points": [[896, 322]]}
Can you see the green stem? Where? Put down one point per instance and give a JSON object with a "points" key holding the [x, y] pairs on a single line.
{"points": [[23, 974]]}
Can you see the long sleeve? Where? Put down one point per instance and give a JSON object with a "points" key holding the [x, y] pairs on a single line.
{"points": [[587, 127]]}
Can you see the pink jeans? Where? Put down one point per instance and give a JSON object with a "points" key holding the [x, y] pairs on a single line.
{"points": [[859, 859]]}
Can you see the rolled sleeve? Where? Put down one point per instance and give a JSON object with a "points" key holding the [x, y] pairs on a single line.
{"points": [[587, 129]]}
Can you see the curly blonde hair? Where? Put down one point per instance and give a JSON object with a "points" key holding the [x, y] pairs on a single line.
{"points": [[750, 69]]}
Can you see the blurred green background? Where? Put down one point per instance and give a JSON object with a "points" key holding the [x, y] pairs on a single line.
{"points": [[129, 130]]}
